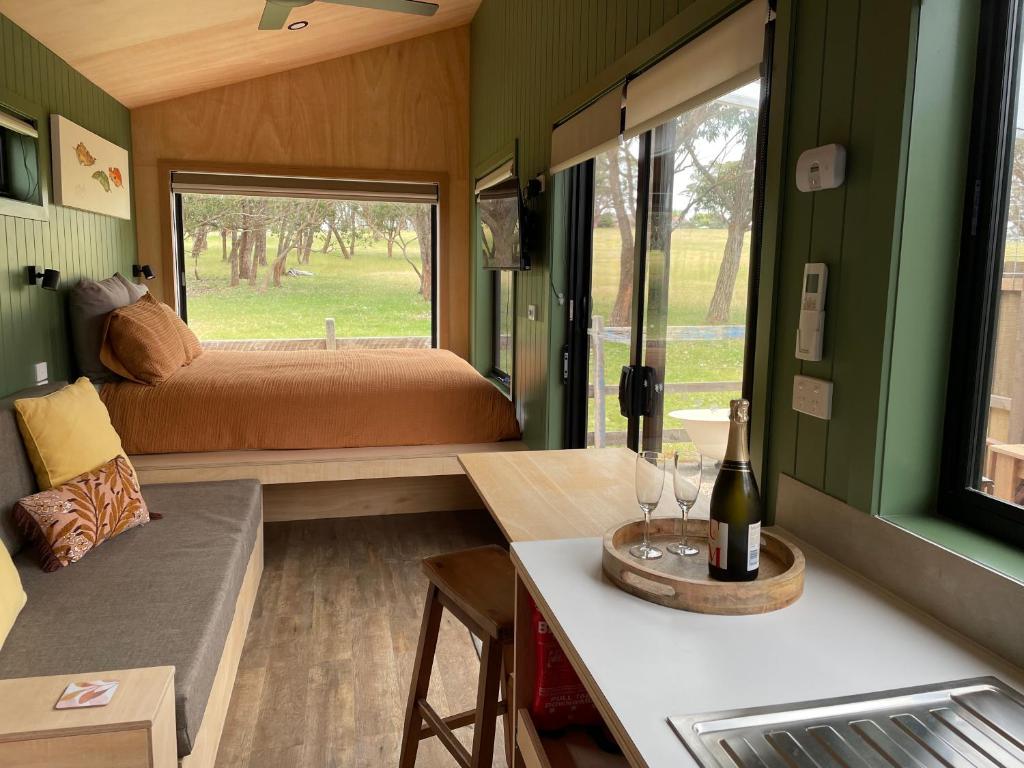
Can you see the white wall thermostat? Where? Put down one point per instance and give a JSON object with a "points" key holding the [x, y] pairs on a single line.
{"points": [[821, 168], [810, 335]]}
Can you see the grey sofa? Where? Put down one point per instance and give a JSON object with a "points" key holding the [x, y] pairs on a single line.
{"points": [[161, 594]]}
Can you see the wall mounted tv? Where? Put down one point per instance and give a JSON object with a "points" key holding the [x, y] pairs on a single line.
{"points": [[502, 225]]}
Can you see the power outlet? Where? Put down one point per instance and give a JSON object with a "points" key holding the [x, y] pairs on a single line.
{"points": [[531, 311], [42, 373], [812, 396]]}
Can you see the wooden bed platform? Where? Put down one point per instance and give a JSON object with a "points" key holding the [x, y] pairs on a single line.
{"points": [[337, 482]]}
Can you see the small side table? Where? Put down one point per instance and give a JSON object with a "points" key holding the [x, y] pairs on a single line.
{"points": [[135, 730]]}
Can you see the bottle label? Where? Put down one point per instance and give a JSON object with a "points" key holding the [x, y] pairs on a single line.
{"points": [[718, 544], [753, 547]]}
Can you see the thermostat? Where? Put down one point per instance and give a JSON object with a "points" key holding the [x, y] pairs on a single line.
{"points": [[821, 168], [810, 335]]}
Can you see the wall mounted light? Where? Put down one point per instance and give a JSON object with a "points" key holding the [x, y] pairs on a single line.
{"points": [[144, 270], [49, 279]]}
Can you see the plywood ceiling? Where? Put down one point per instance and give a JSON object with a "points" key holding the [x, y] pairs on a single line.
{"points": [[144, 51]]}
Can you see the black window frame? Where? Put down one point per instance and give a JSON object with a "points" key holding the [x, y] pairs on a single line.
{"points": [[181, 268], [986, 206], [503, 377]]}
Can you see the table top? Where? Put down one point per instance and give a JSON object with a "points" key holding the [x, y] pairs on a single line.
{"points": [[643, 663], [27, 704], [538, 495]]}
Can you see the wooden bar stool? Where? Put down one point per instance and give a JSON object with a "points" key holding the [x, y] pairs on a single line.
{"points": [[478, 587]]}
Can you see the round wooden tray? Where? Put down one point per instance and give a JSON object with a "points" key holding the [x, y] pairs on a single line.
{"points": [[683, 582]]}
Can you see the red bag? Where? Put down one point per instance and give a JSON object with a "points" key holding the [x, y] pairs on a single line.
{"points": [[559, 698]]}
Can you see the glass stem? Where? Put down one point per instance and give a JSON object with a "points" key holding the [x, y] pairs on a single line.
{"points": [[686, 542], [647, 527]]}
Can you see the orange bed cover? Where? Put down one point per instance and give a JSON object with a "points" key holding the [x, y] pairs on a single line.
{"points": [[229, 400]]}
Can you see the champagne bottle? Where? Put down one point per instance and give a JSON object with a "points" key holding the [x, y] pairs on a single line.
{"points": [[734, 530]]}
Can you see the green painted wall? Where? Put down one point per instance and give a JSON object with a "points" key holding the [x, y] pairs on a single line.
{"points": [[33, 323], [846, 71]]}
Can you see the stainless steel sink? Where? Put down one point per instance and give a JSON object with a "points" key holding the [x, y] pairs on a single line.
{"points": [[977, 723]]}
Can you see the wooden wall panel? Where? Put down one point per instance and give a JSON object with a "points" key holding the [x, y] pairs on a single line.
{"points": [[33, 322], [403, 108]]}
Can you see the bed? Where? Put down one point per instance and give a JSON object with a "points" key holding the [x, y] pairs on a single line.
{"points": [[237, 400]]}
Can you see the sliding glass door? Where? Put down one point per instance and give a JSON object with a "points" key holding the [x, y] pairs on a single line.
{"points": [[669, 258]]}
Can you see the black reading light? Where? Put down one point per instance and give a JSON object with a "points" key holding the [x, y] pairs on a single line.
{"points": [[49, 279], [145, 271]]}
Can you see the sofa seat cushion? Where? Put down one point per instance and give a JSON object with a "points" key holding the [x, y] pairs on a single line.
{"points": [[161, 594]]}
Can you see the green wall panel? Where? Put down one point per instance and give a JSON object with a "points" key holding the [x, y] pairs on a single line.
{"points": [[33, 322]]}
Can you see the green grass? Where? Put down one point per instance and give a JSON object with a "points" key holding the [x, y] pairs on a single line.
{"points": [[368, 295]]}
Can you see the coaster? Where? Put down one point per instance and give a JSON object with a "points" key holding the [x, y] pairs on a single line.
{"points": [[91, 693]]}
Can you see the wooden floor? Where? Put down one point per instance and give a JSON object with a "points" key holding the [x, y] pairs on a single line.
{"points": [[325, 671]]}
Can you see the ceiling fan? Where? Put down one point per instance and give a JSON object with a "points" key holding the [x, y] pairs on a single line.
{"points": [[275, 14]]}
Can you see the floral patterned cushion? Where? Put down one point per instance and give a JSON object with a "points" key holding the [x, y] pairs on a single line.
{"points": [[68, 521]]}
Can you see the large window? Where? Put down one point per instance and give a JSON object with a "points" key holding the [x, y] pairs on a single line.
{"points": [[309, 270], [983, 475], [669, 278]]}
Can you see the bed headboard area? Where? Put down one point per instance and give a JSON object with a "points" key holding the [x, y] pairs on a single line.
{"points": [[33, 322]]}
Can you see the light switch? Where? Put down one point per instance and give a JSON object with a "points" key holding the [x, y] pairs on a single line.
{"points": [[812, 396], [531, 312], [42, 373]]}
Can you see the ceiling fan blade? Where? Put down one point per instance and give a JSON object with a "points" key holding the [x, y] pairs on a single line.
{"points": [[274, 15], [418, 7]]}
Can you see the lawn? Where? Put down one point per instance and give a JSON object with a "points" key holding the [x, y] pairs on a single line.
{"points": [[368, 295]]}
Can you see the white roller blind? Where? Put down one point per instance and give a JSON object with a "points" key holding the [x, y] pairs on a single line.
{"points": [[12, 123], [185, 182], [588, 133], [718, 61], [503, 172]]}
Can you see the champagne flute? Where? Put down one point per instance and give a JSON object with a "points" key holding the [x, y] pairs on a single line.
{"points": [[688, 466], [650, 480]]}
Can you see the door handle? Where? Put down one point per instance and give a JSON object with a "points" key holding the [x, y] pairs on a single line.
{"points": [[645, 391]]}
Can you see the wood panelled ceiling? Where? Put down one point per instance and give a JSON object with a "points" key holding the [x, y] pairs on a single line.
{"points": [[145, 51]]}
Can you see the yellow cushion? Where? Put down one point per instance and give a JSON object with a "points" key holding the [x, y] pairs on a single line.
{"points": [[67, 433], [12, 596]]}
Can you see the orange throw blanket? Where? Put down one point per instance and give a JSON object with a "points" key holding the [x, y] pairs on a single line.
{"points": [[228, 400]]}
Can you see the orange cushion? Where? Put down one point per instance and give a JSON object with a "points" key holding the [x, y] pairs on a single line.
{"points": [[189, 340], [67, 521], [141, 343]]}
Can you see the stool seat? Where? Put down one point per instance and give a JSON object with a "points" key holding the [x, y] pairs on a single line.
{"points": [[479, 583], [478, 587]]}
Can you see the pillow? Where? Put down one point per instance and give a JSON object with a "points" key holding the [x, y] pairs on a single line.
{"points": [[135, 290], [68, 521], [89, 303], [12, 596], [66, 433], [189, 340], [141, 343]]}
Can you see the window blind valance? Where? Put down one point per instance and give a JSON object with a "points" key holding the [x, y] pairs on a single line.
{"points": [[588, 133], [714, 63], [251, 185]]}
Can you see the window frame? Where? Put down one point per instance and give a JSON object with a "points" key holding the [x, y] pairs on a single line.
{"points": [[501, 376], [983, 234], [179, 256]]}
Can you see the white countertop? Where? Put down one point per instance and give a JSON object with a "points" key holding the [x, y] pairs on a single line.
{"points": [[844, 636]]}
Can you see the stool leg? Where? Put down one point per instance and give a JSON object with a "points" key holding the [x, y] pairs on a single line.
{"points": [[486, 705], [420, 677]]}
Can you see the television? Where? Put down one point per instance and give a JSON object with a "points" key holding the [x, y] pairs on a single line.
{"points": [[502, 225]]}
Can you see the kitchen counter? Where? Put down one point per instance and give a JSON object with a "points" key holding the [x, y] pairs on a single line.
{"points": [[643, 663]]}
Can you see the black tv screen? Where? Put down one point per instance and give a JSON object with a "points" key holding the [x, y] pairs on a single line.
{"points": [[500, 209]]}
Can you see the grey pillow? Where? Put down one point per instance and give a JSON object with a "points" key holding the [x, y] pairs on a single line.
{"points": [[88, 306], [135, 291]]}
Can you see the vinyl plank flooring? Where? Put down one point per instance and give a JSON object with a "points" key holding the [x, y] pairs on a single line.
{"points": [[324, 674]]}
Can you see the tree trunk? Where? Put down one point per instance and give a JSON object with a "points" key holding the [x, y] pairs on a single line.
{"points": [[327, 242], [391, 247], [307, 248], [739, 218], [424, 239], [223, 244], [233, 258], [621, 309], [341, 241], [198, 246], [260, 247]]}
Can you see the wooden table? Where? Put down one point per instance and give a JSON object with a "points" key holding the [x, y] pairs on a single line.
{"points": [[137, 727], [539, 495]]}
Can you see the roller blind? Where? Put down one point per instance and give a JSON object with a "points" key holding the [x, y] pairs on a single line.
{"points": [[12, 123], [720, 60], [503, 172], [305, 187], [588, 133]]}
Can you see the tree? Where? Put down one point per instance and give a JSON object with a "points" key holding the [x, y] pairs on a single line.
{"points": [[615, 194], [421, 220]]}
